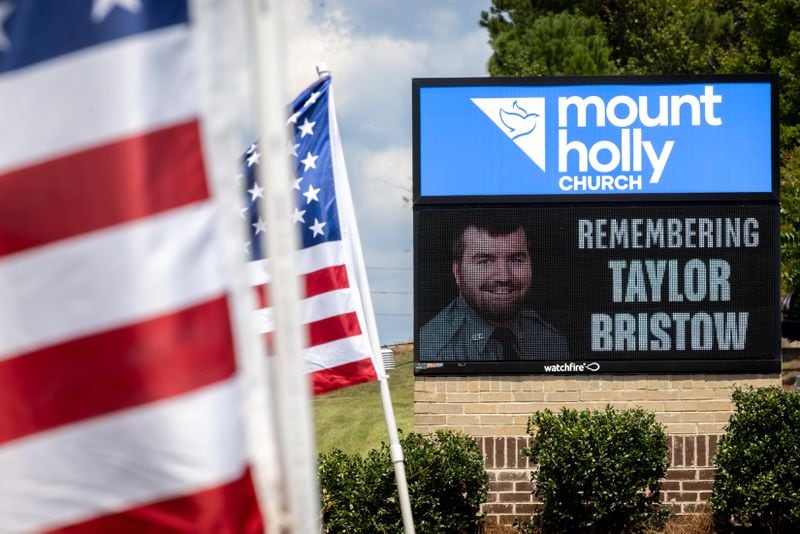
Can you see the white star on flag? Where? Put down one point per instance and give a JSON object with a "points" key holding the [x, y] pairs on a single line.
{"points": [[297, 216], [260, 226], [253, 159], [293, 149], [306, 128], [310, 162], [317, 227], [101, 8], [294, 117], [311, 194], [6, 8], [296, 184], [312, 99], [256, 192]]}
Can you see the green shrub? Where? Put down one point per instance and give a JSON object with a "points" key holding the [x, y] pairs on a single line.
{"points": [[757, 483], [447, 483], [597, 471]]}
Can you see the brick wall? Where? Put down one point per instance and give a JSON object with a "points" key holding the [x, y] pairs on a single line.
{"points": [[684, 490], [495, 410], [691, 473], [510, 489]]}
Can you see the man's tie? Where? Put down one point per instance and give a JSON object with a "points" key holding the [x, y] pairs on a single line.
{"points": [[508, 340]]}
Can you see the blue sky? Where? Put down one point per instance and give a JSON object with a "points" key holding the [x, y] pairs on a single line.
{"points": [[373, 49]]}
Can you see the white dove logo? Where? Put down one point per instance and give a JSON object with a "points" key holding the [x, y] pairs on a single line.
{"points": [[519, 122], [522, 120]]}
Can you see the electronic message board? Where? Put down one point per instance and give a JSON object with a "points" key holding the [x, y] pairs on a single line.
{"points": [[629, 237], [647, 136]]}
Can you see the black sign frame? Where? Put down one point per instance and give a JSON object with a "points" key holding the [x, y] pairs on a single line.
{"points": [[767, 362], [418, 84]]}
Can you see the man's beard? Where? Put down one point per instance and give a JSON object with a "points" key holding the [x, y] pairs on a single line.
{"points": [[492, 309]]}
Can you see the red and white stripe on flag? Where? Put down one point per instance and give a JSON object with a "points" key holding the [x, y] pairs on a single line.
{"points": [[338, 351], [120, 408]]}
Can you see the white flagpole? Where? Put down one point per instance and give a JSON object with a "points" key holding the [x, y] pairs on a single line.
{"points": [[223, 73], [290, 382], [395, 450]]}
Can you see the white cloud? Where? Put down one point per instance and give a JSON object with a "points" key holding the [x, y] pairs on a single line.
{"points": [[383, 195], [392, 168], [373, 50], [372, 73]]}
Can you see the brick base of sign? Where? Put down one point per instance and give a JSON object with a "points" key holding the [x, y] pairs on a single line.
{"points": [[685, 489]]}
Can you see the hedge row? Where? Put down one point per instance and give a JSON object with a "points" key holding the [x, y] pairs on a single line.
{"points": [[446, 480], [596, 471], [757, 484]]}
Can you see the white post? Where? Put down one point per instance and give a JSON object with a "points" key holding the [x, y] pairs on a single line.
{"points": [[395, 450], [223, 73], [290, 384], [396, 453]]}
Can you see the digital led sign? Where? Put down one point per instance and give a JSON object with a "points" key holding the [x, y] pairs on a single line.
{"points": [[649, 136], [613, 225], [627, 288]]}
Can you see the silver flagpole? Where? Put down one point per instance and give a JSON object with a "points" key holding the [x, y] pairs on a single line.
{"points": [[395, 450]]}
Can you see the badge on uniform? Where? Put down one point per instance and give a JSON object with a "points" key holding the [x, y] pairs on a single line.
{"points": [[477, 337]]}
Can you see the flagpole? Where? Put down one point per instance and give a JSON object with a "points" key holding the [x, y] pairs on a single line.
{"points": [[395, 449], [297, 449], [221, 69]]}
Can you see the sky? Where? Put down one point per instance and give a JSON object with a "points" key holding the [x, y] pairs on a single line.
{"points": [[373, 49]]}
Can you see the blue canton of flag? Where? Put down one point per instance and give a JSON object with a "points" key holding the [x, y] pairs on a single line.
{"points": [[315, 210]]}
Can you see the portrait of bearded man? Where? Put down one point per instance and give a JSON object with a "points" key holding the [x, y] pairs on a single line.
{"points": [[489, 320]]}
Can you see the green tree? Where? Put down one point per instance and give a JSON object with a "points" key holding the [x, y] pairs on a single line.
{"points": [[658, 36], [556, 45], [768, 40], [533, 40], [790, 217]]}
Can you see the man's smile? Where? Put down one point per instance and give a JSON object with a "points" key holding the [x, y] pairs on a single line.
{"points": [[500, 289]]}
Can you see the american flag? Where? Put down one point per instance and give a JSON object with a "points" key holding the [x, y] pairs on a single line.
{"points": [[120, 404], [338, 353]]}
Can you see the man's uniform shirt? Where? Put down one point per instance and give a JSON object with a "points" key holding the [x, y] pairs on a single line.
{"points": [[457, 333]]}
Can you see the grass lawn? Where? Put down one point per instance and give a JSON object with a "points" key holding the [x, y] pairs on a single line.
{"points": [[351, 419]]}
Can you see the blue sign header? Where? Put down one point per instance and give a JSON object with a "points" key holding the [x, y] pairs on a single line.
{"points": [[478, 138]]}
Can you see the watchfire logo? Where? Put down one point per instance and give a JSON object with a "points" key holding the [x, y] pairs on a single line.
{"points": [[572, 367], [618, 160]]}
